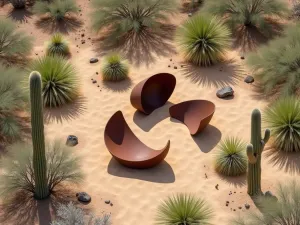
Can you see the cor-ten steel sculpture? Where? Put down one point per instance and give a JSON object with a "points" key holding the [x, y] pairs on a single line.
{"points": [[152, 92], [126, 148], [195, 114]]}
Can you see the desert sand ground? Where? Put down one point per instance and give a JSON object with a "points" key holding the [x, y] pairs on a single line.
{"points": [[136, 194]]}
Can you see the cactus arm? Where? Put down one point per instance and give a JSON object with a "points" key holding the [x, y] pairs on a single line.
{"points": [[267, 136], [252, 159]]}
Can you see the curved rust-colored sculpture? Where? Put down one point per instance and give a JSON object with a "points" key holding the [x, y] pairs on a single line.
{"points": [[126, 148], [153, 92], [195, 114]]}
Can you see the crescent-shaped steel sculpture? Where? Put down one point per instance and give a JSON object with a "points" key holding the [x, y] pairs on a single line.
{"points": [[195, 114], [152, 92], [126, 148]]}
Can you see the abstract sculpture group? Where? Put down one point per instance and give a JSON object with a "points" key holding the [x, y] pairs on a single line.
{"points": [[147, 96]]}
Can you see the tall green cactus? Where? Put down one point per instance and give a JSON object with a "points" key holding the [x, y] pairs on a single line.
{"points": [[38, 139], [254, 151]]}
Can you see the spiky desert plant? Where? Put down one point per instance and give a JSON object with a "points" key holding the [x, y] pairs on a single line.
{"points": [[13, 44], [231, 159], [114, 68], [41, 190], [12, 99], [254, 152], [57, 9], [18, 4], [59, 78], [203, 39], [130, 16], [283, 118], [18, 171], [277, 65], [70, 214], [248, 14], [184, 209], [58, 46], [286, 211]]}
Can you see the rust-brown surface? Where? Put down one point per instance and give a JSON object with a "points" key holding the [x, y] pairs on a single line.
{"points": [[195, 114], [153, 92], [126, 148]]}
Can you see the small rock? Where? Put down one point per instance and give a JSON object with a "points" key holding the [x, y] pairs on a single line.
{"points": [[233, 209], [227, 202], [217, 186], [94, 81], [83, 197], [72, 140], [98, 85], [175, 67], [249, 79], [247, 206], [107, 201], [240, 207], [82, 41], [225, 92], [82, 35], [181, 66], [242, 57], [171, 60], [97, 73], [94, 60], [190, 14], [111, 204], [169, 65]]}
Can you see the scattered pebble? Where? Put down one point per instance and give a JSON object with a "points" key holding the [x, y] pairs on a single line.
{"points": [[72, 140], [94, 60], [249, 79], [225, 92], [83, 197], [242, 57], [107, 201], [217, 186], [247, 206], [175, 67], [94, 81]]}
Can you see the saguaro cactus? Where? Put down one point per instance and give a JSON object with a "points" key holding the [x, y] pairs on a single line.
{"points": [[254, 151], [38, 139]]}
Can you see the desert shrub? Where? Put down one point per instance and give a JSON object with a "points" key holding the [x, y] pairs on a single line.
{"points": [[18, 4], [13, 44], [17, 168], [58, 46], [12, 99], [203, 39], [277, 65], [114, 68], [248, 14], [283, 118], [286, 211], [296, 9], [231, 159], [183, 209], [59, 78], [57, 9], [70, 214], [130, 16]]}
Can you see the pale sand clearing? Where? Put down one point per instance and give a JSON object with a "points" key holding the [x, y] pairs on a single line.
{"points": [[136, 194]]}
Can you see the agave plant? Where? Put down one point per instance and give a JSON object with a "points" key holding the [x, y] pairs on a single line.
{"points": [[59, 78], [13, 44], [285, 211], [248, 14], [283, 118], [114, 68], [231, 159], [203, 39], [58, 46], [184, 209], [277, 65], [57, 9], [12, 98], [130, 16]]}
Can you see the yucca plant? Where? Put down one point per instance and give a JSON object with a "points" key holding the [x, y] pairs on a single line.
{"points": [[13, 44], [203, 39], [57, 9], [283, 118], [18, 4], [59, 78], [12, 99], [286, 211], [130, 16], [277, 65], [58, 46], [231, 159], [184, 209], [114, 68], [248, 14]]}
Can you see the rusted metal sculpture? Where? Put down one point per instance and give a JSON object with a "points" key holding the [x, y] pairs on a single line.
{"points": [[195, 114], [152, 92], [126, 148]]}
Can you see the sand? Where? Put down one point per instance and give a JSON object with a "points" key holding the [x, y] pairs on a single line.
{"points": [[136, 194]]}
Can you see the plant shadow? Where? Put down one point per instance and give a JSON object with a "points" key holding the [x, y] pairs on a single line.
{"points": [[142, 48], [65, 26], [67, 112], [20, 15], [147, 122], [219, 75], [236, 181], [121, 86], [162, 173]]}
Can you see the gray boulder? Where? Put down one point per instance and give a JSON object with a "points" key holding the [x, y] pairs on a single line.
{"points": [[225, 92], [249, 79], [72, 140], [83, 197]]}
